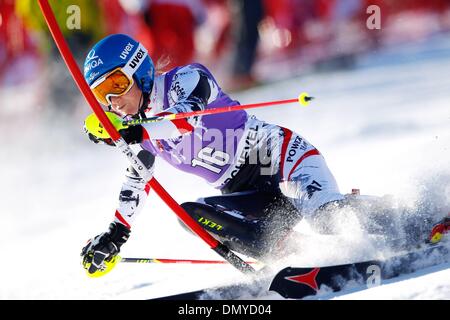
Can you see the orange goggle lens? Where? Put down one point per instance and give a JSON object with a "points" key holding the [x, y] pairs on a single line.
{"points": [[115, 83]]}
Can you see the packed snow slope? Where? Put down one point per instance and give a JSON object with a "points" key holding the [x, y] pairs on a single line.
{"points": [[383, 127]]}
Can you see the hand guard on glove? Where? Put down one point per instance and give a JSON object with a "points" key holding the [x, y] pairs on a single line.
{"points": [[97, 133], [96, 140], [104, 247]]}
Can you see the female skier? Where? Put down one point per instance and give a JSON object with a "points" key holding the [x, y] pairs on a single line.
{"points": [[269, 176]]}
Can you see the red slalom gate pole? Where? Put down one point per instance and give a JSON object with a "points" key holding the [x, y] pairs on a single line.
{"points": [[303, 99], [120, 143]]}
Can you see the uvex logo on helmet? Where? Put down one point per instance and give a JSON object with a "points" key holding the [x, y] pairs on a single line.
{"points": [[126, 51], [137, 58]]}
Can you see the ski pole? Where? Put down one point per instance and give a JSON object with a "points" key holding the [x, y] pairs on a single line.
{"points": [[175, 261], [303, 99], [120, 143]]}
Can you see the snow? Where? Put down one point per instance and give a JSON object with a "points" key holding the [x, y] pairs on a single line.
{"points": [[383, 127], [429, 283]]}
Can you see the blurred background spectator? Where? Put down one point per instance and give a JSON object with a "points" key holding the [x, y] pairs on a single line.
{"points": [[62, 93], [244, 42], [248, 15], [166, 28], [20, 59]]}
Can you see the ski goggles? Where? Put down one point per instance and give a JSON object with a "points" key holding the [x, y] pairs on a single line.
{"points": [[113, 84], [118, 81]]}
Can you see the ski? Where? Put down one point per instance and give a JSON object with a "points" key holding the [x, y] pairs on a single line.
{"points": [[299, 282]]}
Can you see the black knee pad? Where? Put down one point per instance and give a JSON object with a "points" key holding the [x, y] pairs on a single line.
{"points": [[239, 233], [220, 221]]}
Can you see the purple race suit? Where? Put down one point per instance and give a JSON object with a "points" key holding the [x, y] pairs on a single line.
{"points": [[210, 148], [217, 147]]}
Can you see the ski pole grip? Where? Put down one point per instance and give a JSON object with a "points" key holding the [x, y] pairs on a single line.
{"points": [[233, 259]]}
